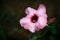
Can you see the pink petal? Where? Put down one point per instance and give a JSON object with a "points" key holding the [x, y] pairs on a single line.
{"points": [[37, 28], [25, 22], [32, 27], [42, 22], [41, 10], [30, 10]]}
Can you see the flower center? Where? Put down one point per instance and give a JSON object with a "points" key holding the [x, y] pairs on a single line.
{"points": [[34, 18]]}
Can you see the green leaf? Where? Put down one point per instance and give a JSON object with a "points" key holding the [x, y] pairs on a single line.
{"points": [[2, 35]]}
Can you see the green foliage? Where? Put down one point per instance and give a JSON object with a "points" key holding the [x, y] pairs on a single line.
{"points": [[2, 34]]}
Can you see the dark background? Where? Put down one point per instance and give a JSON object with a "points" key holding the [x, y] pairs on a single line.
{"points": [[13, 10]]}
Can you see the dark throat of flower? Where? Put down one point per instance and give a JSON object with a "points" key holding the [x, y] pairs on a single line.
{"points": [[34, 18]]}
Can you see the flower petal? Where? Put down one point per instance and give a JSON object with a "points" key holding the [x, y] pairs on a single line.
{"points": [[42, 22], [41, 10], [30, 10], [24, 22], [37, 28], [32, 28]]}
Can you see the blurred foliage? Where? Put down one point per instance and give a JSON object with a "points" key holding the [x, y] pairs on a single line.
{"points": [[13, 10], [2, 34], [49, 33]]}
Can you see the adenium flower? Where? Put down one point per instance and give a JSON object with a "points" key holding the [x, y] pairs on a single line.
{"points": [[34, 19]]}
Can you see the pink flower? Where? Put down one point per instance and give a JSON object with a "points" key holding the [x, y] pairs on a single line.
{"points": [[34, 19]]}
